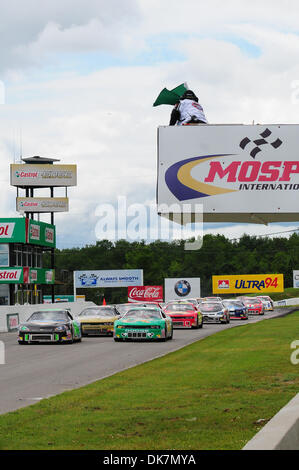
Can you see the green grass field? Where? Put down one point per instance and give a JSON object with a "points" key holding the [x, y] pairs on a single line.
{"points": [[209, 395]]}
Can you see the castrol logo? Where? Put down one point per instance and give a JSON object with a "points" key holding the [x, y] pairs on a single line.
{"points": [[6, 230]]}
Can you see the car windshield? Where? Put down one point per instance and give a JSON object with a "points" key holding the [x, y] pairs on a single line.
{"points": [[232, 304], [179, 307], [49, 316], [98, 312], [253, 300], [138, 313], [123, 308], [210, 307]]}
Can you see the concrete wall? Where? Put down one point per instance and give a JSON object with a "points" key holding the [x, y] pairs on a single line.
{"points": [[281, 432], [24, 311], [286, 302]]}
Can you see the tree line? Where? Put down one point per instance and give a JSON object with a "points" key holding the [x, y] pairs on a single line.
{"points": [[160, 259]]}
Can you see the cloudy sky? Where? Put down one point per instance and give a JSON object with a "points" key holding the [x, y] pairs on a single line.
{"points": [[80, 78]]}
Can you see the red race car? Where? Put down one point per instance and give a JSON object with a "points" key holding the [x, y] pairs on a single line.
{"points": [[183, 315], [254, 305]]}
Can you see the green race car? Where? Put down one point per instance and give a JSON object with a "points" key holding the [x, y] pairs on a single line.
{"points": [[143, 323]]}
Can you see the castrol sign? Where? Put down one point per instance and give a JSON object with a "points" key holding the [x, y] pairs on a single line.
{"points": [[6, 230], [11, 275], [145, 294], [235, 173]]}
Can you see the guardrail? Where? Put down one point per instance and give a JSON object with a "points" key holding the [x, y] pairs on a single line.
{"points": [[281, 432]]}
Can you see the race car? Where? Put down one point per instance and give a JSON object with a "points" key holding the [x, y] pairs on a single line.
{"points": [[184, 315], [237, 310], [50, 326], [254, 305], [267, 302], [98, 320], [143, 323], [214, 312]]}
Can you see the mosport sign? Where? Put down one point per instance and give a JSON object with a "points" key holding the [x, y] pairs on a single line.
{"points": [[145, 294], [237, 172], [247, 283]]}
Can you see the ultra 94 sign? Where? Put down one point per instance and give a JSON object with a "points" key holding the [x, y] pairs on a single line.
{"points": [[248, 283]]}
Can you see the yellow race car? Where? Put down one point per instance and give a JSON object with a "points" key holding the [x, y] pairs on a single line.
{"points": [[98, 321]]}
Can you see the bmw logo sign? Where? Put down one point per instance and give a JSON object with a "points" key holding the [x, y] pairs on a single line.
{"points": [[182, 288]]}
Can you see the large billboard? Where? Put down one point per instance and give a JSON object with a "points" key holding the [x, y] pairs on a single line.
{"points": [[247, 283], [108, 278], [181, 288], [39, 175], [239, 173], [42, 204]]}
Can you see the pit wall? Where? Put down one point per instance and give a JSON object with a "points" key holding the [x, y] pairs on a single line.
{"points": [[24, 312]]}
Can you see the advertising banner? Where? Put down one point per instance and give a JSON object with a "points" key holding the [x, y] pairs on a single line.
{"points": [[24, 230], [42, 204], [182, 288], [41, 276], [13, 230], [248, 283], [238, 173], [108, 278], [12, 320], [41, 233], [295, 278], [145, 294], [11, 275], [27, 275], [24, 175]]}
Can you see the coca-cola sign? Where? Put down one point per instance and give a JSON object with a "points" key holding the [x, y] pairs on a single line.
{"points": [[145, 294]]}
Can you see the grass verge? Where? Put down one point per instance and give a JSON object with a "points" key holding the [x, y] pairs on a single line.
{"points": [[209, 395]]}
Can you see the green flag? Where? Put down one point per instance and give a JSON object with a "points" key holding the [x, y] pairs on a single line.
{"points": [[171, 96]]}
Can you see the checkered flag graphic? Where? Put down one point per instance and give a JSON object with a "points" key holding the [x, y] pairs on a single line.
{"points": [[259, 142]]}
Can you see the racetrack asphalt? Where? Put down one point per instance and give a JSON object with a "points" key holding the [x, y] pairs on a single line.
{"points": [[33, 372]]}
